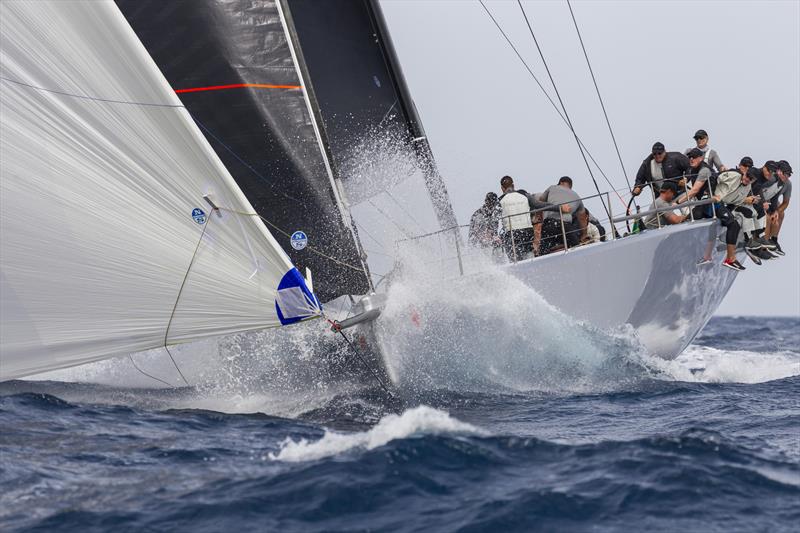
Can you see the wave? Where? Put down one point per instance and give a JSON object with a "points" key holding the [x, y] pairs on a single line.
{"points": [[419, 420], [705, 364]]}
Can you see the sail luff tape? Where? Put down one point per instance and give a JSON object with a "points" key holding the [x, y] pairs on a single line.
{"points": [[207, 198]]}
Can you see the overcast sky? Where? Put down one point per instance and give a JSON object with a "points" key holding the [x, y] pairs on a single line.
{"points": [[665, 69]]}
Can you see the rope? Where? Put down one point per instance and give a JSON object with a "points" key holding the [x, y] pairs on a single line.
{"points": [[84, 97], [180, 291], [597, 90], [146, 374], [338, 329], [564, 107], [279, 230], [547, 95]]}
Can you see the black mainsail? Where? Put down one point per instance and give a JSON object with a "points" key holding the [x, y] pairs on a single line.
{"points": [[230, 63], [283, 90], [357, 86]]}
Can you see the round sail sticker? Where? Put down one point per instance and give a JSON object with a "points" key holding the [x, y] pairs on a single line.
{"points": [[299, 240], [199, 215]]}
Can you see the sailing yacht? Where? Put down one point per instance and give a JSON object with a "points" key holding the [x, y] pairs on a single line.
{"points": [[345, 85], [255, 116]]}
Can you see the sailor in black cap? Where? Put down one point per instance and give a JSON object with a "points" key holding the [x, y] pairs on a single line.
{"points": [[700, 177], [660, 165], [710, 156], [665, 199]]}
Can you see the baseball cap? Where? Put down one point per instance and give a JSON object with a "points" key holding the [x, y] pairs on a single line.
{"points": [[658, 148], [695, 152], [771, 165], [669, 186], [746, 162], [700, 133], [784, 166]]}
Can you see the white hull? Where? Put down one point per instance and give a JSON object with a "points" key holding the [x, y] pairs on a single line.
{"points": [[650, 281]]}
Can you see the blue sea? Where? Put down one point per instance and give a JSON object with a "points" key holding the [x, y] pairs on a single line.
{"points": [[709, 442]]}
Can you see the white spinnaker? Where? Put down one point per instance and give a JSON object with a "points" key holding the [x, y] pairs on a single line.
{"points": [[96, 201]]}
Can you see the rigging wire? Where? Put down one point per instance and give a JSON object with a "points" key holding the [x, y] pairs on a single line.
{"points": [[404, 210], [387, 217], [597, 90], [546, 94], [561, 101], [338, 329]]}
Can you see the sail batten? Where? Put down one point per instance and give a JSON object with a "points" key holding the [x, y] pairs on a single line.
{"points": [[102, 210]]}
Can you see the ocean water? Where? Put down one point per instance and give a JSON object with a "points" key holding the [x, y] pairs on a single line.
{"points": [[709, 442]]}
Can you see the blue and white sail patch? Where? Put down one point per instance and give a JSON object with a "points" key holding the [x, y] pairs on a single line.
{"points": [[299, 240], [293, 300], [199, 215]]}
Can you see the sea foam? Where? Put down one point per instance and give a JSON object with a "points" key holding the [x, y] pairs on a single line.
{"points": [[419, 420]]}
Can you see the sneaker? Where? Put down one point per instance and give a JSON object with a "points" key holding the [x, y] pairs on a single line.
{"points": [[704, 261], [752, 244], [778, 250], [765, 243], [733, 264], [752, 254], [773, 253], [765, 255]]}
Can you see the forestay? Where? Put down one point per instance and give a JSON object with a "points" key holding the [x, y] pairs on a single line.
{"points": [[107, 244]]}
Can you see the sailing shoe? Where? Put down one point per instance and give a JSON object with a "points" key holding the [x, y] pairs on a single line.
{"points": [[765, 243], [752, 244], [778, 250], [733, 264], [753, 255], [765, 255]]}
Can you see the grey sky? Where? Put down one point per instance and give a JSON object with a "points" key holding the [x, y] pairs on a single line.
{"points": [[665, 69]]}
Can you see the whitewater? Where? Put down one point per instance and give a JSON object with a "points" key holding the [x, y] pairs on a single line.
{"points": [[518, 421]]}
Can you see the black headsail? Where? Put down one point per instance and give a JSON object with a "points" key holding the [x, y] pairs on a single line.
{"points": [[232, 66], [356, 85]]}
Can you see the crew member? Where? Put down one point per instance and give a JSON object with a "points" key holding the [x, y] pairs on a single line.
{"points": [[732, 191], [776, 210], [665, 199], [570, 203], [660, 165], [710, 156], [701, 174], [483, 225], [761, 181], [515, 216]]}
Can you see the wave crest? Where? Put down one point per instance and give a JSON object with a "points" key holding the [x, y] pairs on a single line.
{"points": [[419, 420]]}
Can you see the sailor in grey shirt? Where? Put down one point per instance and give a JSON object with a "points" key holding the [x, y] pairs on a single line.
{"points": [[665, 199], [561, 194], [710, 156], [569, 204], [701, 174]]}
